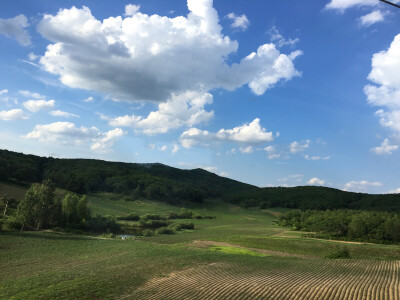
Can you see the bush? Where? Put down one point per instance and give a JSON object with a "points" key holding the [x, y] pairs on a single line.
{"points": [[165, 230], [339, 254], [102, 224], [147, 232], [130, 217], [151, 217], [153, 224]]}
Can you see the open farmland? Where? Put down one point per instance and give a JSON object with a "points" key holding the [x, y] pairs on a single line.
{"points": [[241, 254]]}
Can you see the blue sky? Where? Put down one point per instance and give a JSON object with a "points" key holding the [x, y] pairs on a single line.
{"points": [[272, 93]]}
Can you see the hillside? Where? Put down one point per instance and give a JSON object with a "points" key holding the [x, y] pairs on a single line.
{"points": [[173, 185]]}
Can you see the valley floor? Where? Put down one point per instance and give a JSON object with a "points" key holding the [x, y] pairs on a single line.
{"points": [[241, 254]]}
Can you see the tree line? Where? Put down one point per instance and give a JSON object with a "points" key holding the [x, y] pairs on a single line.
{"points": [[42, 209], [371, 226]]}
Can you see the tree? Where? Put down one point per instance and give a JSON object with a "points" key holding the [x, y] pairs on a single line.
{"points": [[39, 208], [74, 209]]}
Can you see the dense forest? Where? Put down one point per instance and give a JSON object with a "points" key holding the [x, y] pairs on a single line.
{"points": [[164, 183], [359, 225]]}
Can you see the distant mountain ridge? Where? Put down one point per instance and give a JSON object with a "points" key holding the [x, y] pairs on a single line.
{"points": [[160, 182]]}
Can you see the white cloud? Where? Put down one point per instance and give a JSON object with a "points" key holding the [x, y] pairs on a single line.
{"points": [[274, 156], [396, 191], [151, 146], [386, 91], [372, 18], [385, 148], [224, 174], [107, 140], [163, 148], [361, 186], [186, 109], [59, 113], [279, 40], [15, 28], [32, 56], [210, 169], [175, 148], [33, 95], [240, 22], [36, 105], [246, 150], [296, 147], [315, 157], [315, 181], [142, 57], [269, 149], [345, 4], [249, 133], [131, 9], [12, 115], [2, 92], [68, 133], [88, 99]]}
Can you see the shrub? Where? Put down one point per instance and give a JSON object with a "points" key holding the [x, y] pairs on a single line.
{"points": [[147, 232], [153, 224], [341, 253], [130, 217], [165, 230], [151, 217]]}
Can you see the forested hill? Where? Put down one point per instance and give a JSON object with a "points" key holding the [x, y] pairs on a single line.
{"points": [[158, 181], [152, 181]]}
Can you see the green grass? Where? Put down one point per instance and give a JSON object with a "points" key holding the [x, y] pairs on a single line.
{"points": [[236, 250], [42, 265]]}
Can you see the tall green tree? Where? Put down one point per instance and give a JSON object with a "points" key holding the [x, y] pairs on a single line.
{"points": [[39, 209], [74, 209]]}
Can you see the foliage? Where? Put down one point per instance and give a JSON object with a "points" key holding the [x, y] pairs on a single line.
{"points": [[74, 210], [339, 254], [130, 217], [352, 224], [39, 209], [165, 230], [102, 224]]}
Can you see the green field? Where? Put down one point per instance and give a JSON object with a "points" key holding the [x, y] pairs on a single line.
{"points": [[241, 254]]}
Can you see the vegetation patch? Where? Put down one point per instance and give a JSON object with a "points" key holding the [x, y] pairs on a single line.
{"points": [[236, 250]]}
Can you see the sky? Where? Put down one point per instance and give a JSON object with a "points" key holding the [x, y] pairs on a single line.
{"points": [[271, 93]]}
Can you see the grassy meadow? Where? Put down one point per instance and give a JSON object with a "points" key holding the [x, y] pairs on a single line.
{"points": [[240, 254]]}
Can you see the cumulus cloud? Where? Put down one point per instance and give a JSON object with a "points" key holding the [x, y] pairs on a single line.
{"points": [[69, 134], [2, 92], [361, 186], [386, 91], [345, 4], [143, 57], [63, 114], [131, 9], [15, 28], [107, 140], [33, 95], [296, 147], [36, 105], [372, 18], [240, 22], [315, 181], [385, 148], [249, 133], [186, 109], [12, 115], [175, 148]]}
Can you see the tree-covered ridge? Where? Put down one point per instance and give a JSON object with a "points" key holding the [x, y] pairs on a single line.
{"points": [[152, 181], [164, 183]]}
